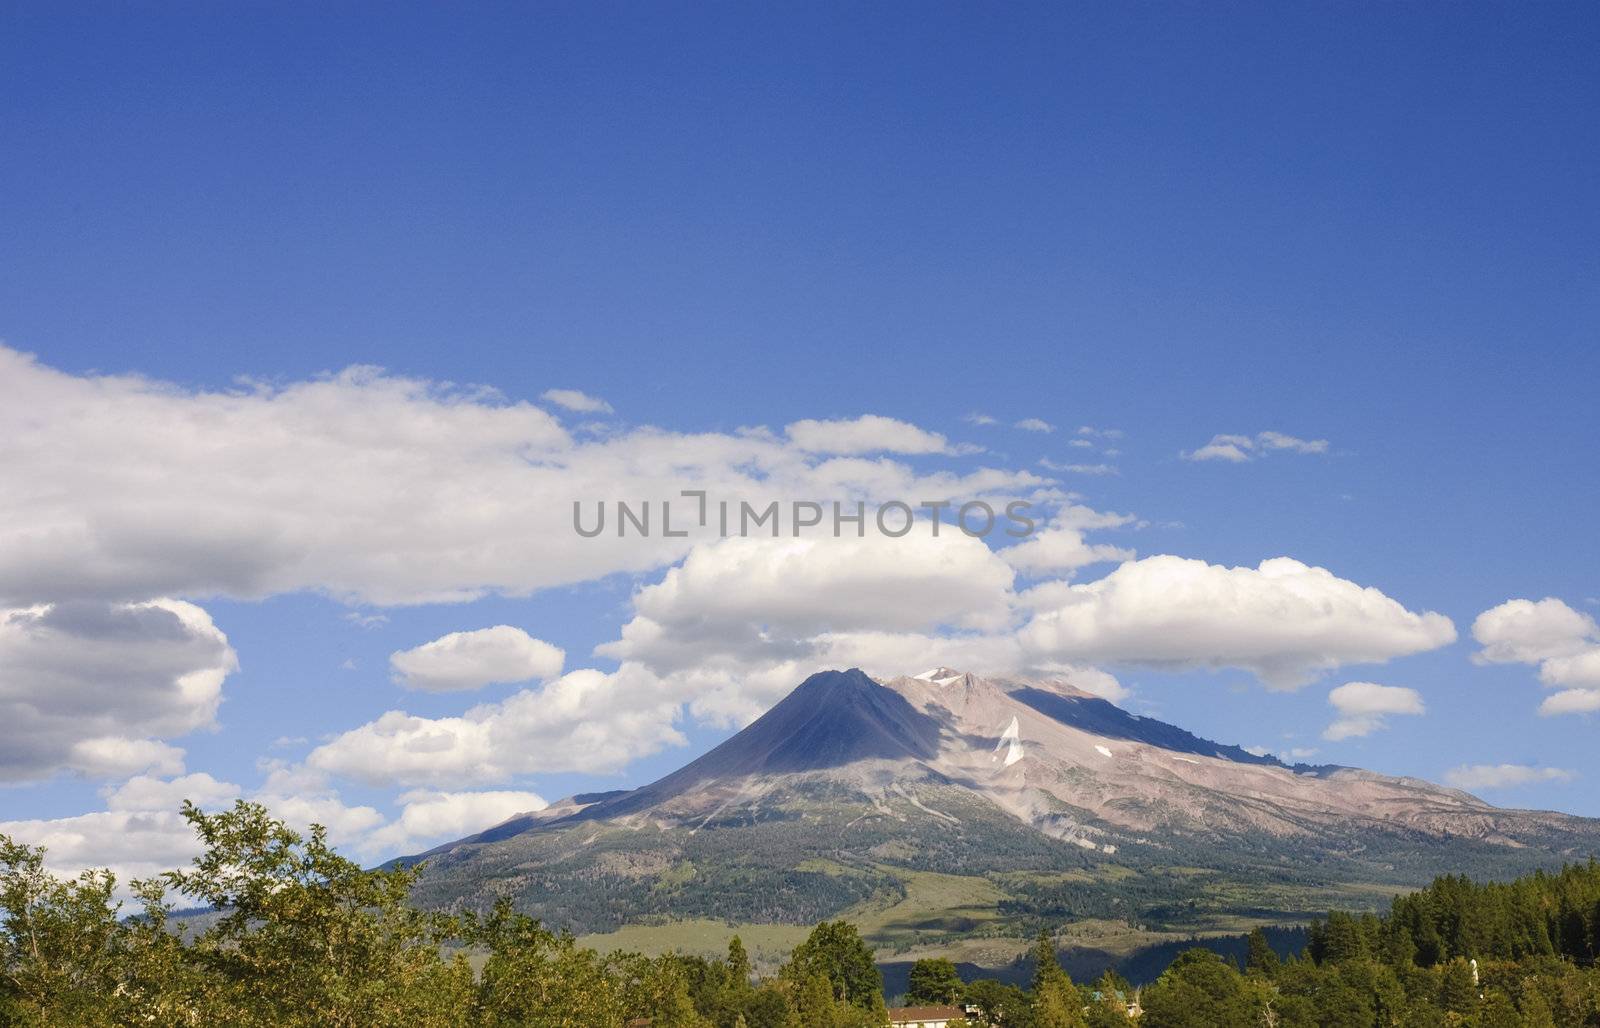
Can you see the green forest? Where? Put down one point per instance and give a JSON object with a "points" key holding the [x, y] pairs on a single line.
{"points": [[302, 936]]}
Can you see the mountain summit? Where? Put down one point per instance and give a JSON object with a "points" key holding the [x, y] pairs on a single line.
{"points": [[1057, 800]]}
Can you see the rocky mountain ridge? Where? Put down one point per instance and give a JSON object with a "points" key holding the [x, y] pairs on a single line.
{"points": [[850, 784]]}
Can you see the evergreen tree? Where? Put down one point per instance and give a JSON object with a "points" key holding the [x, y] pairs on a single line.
{"points": [[1536, 1010], [1046, 966], [1056, 1003], [814, 1002], [1497, 1011], [738, 962], [1262, 959], [1458, 994]]}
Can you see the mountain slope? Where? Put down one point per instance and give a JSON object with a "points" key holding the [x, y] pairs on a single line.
{"points": [[1060, 804]]}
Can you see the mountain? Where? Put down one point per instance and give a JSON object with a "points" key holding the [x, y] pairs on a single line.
{"points": [[946, 804]]}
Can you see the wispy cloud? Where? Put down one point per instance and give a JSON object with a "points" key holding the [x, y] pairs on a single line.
{"points": [[1079, 469], [1238, 449], [573, 400], [870, 433], [1504, 776], [1035, 425]]}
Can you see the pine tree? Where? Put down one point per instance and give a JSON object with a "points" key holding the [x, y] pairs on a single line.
{"points": [[1457, 992], [1497, 1011], [1535, 1009], [1262, 959], [1056, 1003], [1046, 967], [738, 962]]}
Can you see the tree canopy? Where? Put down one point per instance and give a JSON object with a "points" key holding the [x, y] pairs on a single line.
{"points": [[301, 936]]}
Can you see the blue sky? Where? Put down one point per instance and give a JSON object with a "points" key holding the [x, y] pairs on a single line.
{"points": [[1369, 225]]}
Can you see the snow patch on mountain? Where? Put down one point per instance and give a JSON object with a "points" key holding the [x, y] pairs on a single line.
{"points": [[1011, 742]]}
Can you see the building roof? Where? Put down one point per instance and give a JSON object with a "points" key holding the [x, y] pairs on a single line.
{"points": [[942, 1013]]}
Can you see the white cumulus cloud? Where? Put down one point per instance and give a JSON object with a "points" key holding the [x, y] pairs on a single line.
{"points": [[146, 792], [373, 488], [1528, 632], [141, 832], [1284, 621], [1564, 643], [1364, 707], [1571, 701], [132, 843], [741, 621], [1061, 547], [470, 660], [95, 687], [113, 756], [427, 818], [586, 721], [303, 796]]}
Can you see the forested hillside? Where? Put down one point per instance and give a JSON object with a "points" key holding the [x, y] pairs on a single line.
{"points": [[1456, 953]]}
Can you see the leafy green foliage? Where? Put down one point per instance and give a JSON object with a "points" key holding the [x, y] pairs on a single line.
{"points": [[998, 1003], [1201, 990], [306, 938], [309, 933], [62, 946], [934, 980], [1108, 1002], [835, 956], [301, 936]]}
